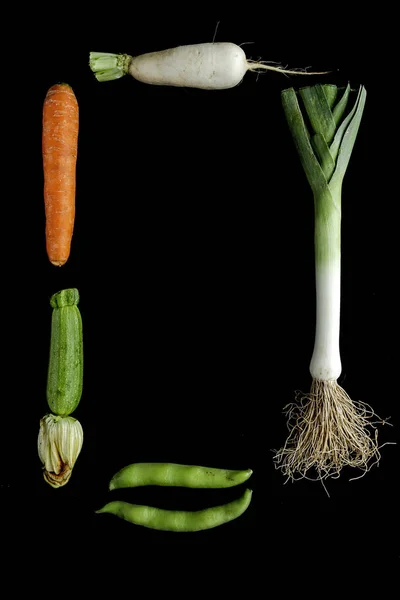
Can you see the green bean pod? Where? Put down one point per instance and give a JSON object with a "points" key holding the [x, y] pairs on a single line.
{"points": [[65, 371], [172, 474], [179, 520]]}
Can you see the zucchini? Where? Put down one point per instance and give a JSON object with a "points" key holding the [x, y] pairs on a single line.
{"points": [[65, 372]]}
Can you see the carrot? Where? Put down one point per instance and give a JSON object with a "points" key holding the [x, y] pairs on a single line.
{"points": [[59, 150]]}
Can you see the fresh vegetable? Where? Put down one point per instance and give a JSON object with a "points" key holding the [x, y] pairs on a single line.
{"points": [[59, 149], [179, 520], [65, 372], [170, 474], [327, 430], [59, 444], [209, 66], [61, 436]]}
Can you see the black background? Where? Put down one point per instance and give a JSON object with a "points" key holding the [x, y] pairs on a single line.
{"points": [[193, 255]]}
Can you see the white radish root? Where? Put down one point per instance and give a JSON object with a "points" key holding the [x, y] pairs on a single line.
{"points": [[209, 66]]}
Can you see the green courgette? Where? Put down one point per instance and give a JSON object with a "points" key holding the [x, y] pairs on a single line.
{"points": [[65, 371]]}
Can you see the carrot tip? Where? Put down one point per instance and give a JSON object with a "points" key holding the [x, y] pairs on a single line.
{"points": [[58, 263]]}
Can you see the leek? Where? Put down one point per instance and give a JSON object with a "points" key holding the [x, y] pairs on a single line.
{"points": [[327, 429]]}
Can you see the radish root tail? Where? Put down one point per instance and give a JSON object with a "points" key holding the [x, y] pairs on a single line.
{"points": [[328, 431], [262, 65]]}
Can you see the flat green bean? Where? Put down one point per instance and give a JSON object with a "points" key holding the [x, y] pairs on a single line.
{"points": [[179, 520], [172, 474]]}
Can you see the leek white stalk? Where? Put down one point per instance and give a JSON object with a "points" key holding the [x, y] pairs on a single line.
{"points": [[325, 362], [327, 430]]}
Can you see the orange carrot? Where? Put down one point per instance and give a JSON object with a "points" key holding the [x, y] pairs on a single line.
{"points": [[59, 149]]}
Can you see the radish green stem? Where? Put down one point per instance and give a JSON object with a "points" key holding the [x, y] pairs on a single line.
{"points": [[107, 66]]}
